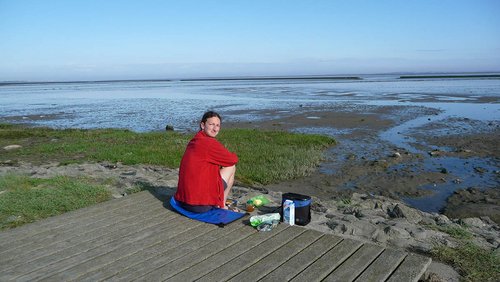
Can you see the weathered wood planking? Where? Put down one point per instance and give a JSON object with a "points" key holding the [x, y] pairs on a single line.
{"points": [[138, 238]]}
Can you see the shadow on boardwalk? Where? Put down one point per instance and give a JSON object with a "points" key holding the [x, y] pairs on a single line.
{"points": [[140, 237]]}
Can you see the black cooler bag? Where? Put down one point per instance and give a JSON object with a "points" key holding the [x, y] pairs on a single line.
{"points": [[302, 207]]}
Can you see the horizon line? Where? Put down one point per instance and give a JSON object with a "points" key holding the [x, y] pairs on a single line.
{"points": [[284, 77]]}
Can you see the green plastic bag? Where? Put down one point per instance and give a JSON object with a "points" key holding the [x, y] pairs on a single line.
{"points": [[258, 201]]}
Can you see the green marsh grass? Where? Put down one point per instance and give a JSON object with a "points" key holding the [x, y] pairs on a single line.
{"points": [[265, 156], [24, 199], [457, 232], [272, 156], [473, 262]]}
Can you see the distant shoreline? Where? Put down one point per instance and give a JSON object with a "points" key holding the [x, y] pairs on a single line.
{"points": [[190, 79], [493, 75], [274, 78], [451, 76]]}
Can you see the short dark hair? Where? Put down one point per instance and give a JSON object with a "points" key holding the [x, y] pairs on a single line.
{"points": [[210, 114]]}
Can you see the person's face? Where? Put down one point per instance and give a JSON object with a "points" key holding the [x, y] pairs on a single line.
{"points": [[211, 127]]}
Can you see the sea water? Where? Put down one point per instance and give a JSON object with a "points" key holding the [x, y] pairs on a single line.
{"points": [[151, 105]]}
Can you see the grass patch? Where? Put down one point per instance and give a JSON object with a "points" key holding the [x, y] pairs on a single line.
{"points": [[24, 199], [77, 145], [273, 156], [265, 156], [474, 263], [344, 202], [456, 232]]}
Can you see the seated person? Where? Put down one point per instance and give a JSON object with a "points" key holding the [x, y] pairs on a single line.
{"points": [[206, 173]]}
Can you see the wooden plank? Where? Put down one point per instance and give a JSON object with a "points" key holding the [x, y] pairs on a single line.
{"points": [[299, 262], [50, 256], [49, 224], [278, 257], [211, 258], [197, 237], [126, 250], [140, 239], [411, 269], [383, 266], [102, 235], [31, 237], [244, 260], [182, 257], [355, 264], [58, 239], [46, 265], [318, 270]]}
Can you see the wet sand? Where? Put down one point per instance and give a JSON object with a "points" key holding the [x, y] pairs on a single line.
{"points": [[452, 155]]}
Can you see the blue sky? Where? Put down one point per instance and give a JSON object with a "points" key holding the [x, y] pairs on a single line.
{"points": [[96, 40]]}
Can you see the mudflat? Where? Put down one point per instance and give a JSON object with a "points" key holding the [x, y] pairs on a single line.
{"points": [[439, 165]]}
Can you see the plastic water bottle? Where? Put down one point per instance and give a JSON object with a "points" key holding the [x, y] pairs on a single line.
{"points": [[267, 226], [289, 212], [268, 218]]}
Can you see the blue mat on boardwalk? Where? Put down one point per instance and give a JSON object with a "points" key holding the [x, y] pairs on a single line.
{"points": [[220, 217]]}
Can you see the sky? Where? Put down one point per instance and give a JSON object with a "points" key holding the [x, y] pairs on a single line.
{"points": [[66, 40]]}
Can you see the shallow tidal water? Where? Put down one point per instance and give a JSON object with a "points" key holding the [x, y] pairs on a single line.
{"points": [[151, 105]]}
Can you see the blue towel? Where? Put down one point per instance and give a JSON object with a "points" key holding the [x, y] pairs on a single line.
{"points": [[220, 217]]}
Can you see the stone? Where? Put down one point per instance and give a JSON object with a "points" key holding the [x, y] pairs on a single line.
{"points": [[355, 228], [473, 221], [435, 153], [8, 163], [421, 247], [402, 211], [315, 206], [332, 224], [440, 272], [427, 221], [330, 215], [374, 219], [442, 219], [353, 211], [487, 220], [12, 147], [419, 234], [350, 218], [480, 170], [13, 218], [169, 127], [399, 242], [396, 233], [367, 204], [380, 237], [396, 155]]}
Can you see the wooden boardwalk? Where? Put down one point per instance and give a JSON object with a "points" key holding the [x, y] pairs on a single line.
{"points": [[138, 238]]}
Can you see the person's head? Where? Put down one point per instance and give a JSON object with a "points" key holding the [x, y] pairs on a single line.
{"points": [[210, 123]]}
